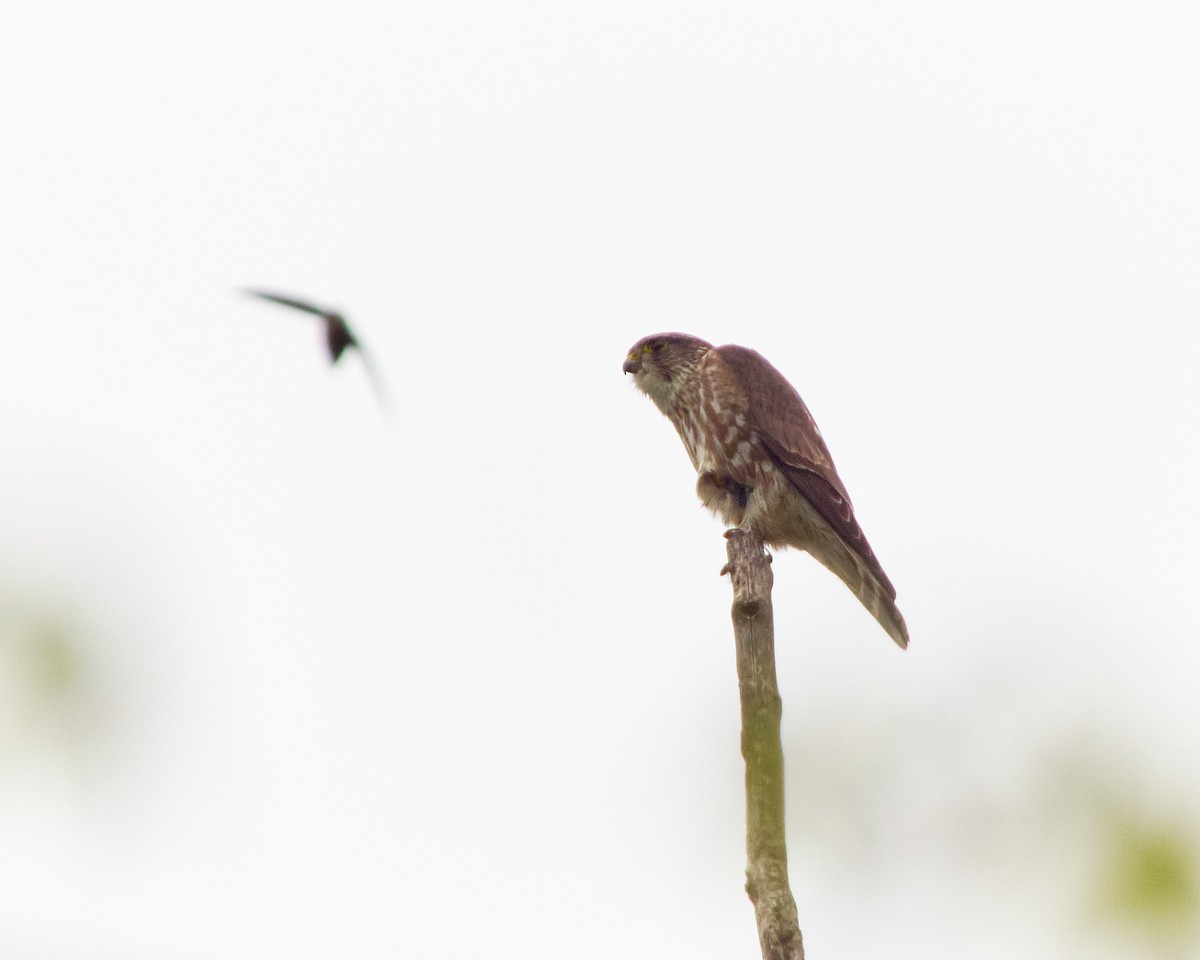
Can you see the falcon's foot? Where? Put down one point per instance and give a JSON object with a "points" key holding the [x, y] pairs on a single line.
{"points": [[732, 530]]}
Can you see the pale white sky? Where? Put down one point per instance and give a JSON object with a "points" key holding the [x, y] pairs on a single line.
{"points": [[462, 681]]}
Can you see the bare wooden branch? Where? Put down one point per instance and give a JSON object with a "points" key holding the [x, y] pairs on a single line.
{"points": [[749, 570]]}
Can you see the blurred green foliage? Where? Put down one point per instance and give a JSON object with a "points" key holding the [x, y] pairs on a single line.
{"points": [[52, 659], [1149, 877], [40, 652], [48, 680]]}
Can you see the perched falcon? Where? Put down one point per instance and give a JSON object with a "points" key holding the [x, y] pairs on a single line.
{"points": [[761, 461], [338, 335]]}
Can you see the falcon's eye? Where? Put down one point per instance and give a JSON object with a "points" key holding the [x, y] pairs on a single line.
{"points": [[657, 344]]}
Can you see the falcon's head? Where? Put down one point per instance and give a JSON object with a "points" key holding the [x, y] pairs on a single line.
{"points": [[659, 362]]}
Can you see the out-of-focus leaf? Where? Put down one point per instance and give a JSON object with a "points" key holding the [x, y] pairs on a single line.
{"points": [[1149, 879]]}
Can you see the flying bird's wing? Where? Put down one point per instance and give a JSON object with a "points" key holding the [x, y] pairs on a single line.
{"points": [[338, 335], [790, 435], [373, 374], [304, 305]]}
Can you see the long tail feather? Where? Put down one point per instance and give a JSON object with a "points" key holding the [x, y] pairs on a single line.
{"points": [[862, 583]]}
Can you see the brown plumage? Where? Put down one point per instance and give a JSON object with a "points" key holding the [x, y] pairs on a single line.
{"points": [[760, 459]]}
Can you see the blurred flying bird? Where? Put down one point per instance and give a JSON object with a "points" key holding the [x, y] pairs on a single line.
{"points": [[338, 336]]}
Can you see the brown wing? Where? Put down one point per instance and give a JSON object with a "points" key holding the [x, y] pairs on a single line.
{"points": [[790, 435]]}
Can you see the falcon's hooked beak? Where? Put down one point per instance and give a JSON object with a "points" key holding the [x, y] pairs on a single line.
{"points": [[632, 365]]}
